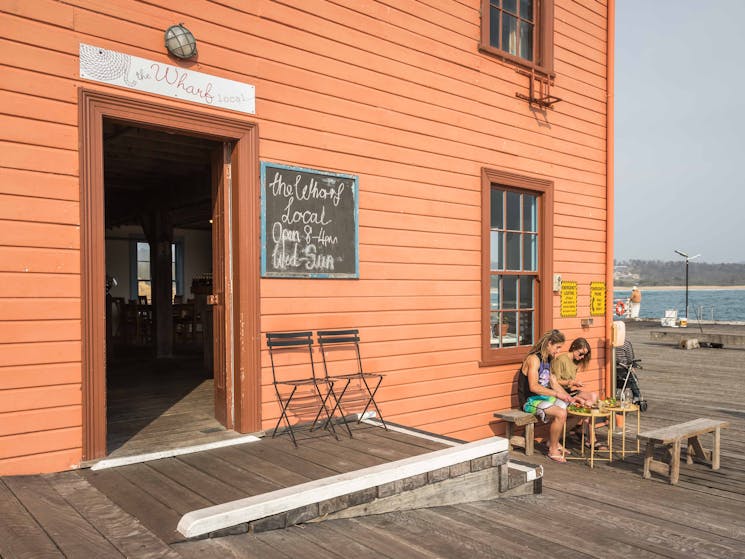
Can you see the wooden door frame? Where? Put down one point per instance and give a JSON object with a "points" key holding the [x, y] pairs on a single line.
{"points": [[93, 107]]}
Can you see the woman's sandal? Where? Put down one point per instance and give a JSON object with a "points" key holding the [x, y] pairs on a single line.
{"points": [[599, 446], [557, 458]]}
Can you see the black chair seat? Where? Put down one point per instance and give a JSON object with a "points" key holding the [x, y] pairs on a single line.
{"points": [[348, 342]]}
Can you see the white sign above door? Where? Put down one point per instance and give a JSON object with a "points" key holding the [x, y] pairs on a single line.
{"points": [[116, 68]]}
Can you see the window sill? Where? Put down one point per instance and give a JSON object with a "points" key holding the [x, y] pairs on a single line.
{"points": [[517, 61], [510, 356]]}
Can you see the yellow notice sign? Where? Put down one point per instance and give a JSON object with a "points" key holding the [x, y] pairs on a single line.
{"points": [[568, 298], [597, 298]]}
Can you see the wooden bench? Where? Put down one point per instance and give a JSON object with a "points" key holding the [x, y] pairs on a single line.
{"points": [[517, 418], [671, 437]]}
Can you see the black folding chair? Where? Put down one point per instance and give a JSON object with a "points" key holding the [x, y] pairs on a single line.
{"points": [[349, 340], [297, 343]]}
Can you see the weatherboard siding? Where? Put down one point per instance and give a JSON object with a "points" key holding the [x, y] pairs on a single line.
{"points": [[395, 92]]}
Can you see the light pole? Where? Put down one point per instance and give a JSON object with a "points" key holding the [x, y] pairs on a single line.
{"points": [[684, 255]]}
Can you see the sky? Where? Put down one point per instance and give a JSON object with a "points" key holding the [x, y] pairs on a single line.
{"points": [[680, 129]]}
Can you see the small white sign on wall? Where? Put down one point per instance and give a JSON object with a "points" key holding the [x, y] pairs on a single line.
{"points": [[116, 68]]}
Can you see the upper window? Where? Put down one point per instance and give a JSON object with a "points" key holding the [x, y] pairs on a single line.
{"points": [[520, 31], [516, 248]]}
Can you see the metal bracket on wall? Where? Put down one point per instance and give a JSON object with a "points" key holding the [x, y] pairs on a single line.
{"points": [[539, 91]]}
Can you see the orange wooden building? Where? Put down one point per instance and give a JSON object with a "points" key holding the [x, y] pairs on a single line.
{"points": [[475, 139]]}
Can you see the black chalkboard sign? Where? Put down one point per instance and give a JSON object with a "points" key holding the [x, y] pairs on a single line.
{"points": [[308, 223]]}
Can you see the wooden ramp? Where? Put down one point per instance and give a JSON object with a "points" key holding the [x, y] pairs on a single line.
{"points": [[467, 472], [271, 484]]}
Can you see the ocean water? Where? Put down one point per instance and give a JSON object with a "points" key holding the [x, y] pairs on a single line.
{"points": [[726, 305]]}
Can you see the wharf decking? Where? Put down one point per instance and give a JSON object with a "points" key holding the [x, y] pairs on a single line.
{"points": [[609, 511]]}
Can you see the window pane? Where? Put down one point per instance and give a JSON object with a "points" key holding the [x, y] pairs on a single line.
{"points": [[494, 329], [494, 293], [526, 9], [508, 329], [143, 288], [497, 209], [143, 270], [526, 292], [513, 211], [510, 5], [143, 252], [513, 251], [509, 292], [530, 252], [509, 33], [530, 213], [496, 250], [526, 40], [494, 27], [526, 328]]}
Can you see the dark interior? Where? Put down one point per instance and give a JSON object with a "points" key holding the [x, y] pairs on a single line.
{"points": [[155, 402], [146, 169]]}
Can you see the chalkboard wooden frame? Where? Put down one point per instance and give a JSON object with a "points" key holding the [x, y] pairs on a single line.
{"points": [[325, 206]]}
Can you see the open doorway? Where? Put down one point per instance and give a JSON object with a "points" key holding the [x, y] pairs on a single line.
{"points": [[158, 211], [232, 144]]}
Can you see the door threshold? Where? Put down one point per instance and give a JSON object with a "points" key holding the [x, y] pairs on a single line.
{"points": [[105, 463]]}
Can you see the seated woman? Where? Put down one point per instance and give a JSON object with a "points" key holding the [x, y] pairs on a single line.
{"points": [[565, 367], [542, 393]]}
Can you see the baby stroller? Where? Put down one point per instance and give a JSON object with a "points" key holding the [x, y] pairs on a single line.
{"points": [[626, 366]]}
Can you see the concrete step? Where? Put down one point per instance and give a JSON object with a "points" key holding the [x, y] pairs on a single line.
{"points": [[523, 479]]}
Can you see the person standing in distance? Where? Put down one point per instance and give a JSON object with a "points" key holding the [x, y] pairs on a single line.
{"points": [[635, 302]]}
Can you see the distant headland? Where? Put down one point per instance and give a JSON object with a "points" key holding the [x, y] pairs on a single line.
{"points": [[680, 287], [671, 274]]}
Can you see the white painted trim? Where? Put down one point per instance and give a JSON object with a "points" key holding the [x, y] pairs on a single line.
{"points": [[532, 472], [126, 460], [203, 521], [411, 432]]}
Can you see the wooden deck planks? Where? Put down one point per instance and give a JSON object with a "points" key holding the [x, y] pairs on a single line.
{"points": [[20, 534], [229, 547], [72, 534], [241, 456], [451, 539], [158, 517], [292, 544], [503, 540], [124, 531], [385, 542], [179, 496], [643, 531]]}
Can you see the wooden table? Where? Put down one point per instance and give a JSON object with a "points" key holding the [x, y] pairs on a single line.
{"points": [[624, 410], [593, 414]]}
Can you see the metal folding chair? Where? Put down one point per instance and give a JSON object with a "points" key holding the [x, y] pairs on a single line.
{"points": [[349, 341], [297, 343]]}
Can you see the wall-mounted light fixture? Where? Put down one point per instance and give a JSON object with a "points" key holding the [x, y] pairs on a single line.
{"points": [[180, 42]]}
